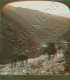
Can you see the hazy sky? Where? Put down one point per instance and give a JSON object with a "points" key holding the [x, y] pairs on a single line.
{"points": [[44, 6]]}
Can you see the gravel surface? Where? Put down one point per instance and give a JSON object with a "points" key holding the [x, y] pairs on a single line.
{"points": [[40, 65]]}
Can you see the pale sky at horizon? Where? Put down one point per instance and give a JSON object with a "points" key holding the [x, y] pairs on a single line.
{"points": [[44, 6]]}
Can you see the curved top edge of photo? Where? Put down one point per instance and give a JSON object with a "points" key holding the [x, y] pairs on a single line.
{"points": [[51, 7]]}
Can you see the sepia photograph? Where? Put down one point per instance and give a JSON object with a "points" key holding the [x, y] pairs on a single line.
{"points": [[35, 37]]}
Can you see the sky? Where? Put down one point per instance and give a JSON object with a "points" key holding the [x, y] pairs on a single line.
{"points": [[50, 7]]}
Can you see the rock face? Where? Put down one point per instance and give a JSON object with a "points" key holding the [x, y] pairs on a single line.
{"points": [[39, 65]]}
